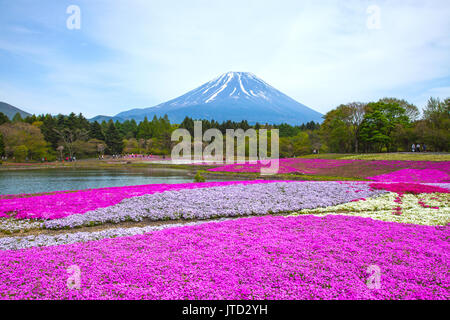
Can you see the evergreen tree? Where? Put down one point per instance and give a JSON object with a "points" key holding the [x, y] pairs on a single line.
{"points": [[129, 129], [119, 128], [3, 118], [83, 123], [2, 146], [95, 131], [144, 130], [104, 126], [30, 119], [113, 140], [188, 124], [71, 122], [17, 118], [48, 130]]}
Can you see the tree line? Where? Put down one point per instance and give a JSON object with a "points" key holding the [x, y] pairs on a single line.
{"points": [[57, 137], [387, 125]]}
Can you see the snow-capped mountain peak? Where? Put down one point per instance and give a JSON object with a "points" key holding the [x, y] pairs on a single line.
{"points": [[231, 96], [235, 85], [231, 84]]}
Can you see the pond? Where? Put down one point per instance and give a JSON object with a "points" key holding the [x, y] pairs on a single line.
{"points": [[44, 180]]}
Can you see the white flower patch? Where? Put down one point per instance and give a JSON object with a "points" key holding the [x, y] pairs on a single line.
{"points": [[383, 207], [12, 225]]}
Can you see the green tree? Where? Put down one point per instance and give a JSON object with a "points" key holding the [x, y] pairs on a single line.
{"points": [[129, 129], [71, 121], [131, 146], [301, 144], [20, 153], [48, 130], [17, 118], [411, 111], [86, 148], [30, 119], [336, 129], [286, 148], [3, 118], [2, 146], [436, 120], [21, 133], [379, 123], [113, 140], [144, 130], [95, 131], [188, 124]]}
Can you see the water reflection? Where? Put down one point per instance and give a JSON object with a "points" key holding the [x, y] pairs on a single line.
{"points": [[31, 181]]}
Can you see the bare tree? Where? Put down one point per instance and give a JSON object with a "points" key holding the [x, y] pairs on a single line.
{"points": [[142, 145], [357, 113], [60, 149], [316, 142], [70, 136], [101, 148]]}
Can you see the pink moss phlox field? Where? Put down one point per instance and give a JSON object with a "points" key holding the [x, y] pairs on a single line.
{"points": [[286, 165], [402, 188], [317, 166], [61, 204], [413, 175], [305, 257]]}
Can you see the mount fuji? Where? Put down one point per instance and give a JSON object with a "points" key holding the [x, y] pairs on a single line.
{"points": [[232, 96]]}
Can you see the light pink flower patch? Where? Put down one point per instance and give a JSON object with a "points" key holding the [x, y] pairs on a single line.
{"points": [[413, 175]]}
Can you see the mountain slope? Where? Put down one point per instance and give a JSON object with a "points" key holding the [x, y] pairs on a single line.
{"points": [[10, 111], [101, 118], [232, 96]]}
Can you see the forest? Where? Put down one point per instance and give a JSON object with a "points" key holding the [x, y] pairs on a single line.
{"points": [[387, 125]]}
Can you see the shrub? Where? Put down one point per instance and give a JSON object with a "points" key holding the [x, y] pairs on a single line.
{"points": [[199, 178]]}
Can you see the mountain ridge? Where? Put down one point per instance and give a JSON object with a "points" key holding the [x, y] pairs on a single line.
{"points": [[10, 110]]}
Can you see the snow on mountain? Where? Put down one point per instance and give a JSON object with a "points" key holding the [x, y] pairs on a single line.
{"points": [[232, 96]]}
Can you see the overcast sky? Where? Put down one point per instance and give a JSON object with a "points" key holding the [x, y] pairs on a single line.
{"points": [[136, 53]]}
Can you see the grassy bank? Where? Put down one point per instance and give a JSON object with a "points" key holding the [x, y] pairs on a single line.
{"points": [[95, 164], [400, 156]]}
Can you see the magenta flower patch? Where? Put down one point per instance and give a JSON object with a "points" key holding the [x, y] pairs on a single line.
{"points": [[304, 257], [413, 175], [438, 170], [414, 188]]}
